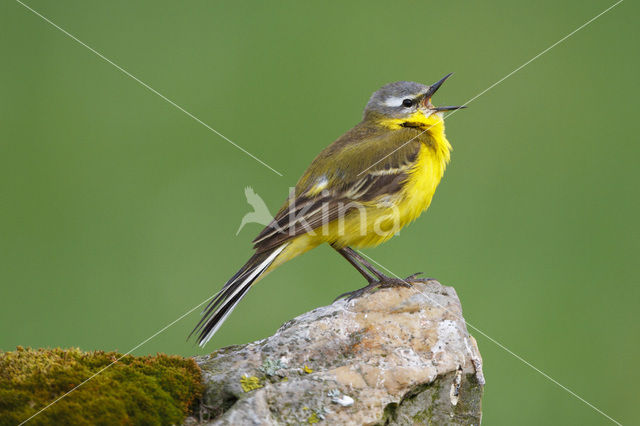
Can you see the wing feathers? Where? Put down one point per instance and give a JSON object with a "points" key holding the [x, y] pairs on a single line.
{"points": [[334, 182], [302, 215]]}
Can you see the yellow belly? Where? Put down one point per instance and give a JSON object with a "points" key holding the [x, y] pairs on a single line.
{"points": [[380, 220], [386, 220], [377, 222], [424, 179]]}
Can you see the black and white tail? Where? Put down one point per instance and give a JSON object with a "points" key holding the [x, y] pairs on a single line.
{"points": [[233, 291]]}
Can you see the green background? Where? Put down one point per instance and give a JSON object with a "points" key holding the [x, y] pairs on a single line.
{"points": [[118, 212]]}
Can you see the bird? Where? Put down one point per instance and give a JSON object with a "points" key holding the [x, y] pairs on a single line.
{"points": [[260, 213], [357, 193]]}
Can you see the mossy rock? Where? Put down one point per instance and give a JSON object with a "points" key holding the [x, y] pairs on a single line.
{"points": [[158, 389], [431, 404]]}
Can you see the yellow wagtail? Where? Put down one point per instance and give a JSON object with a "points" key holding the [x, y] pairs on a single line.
{"points": [[358, 192]]}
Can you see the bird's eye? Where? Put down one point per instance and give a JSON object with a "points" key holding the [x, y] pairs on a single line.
{"points": [[407, 103]]}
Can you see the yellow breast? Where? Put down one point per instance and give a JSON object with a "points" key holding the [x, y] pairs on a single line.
{"points": [[424, 177], [382, 219], [388, 216], [427, 172]]}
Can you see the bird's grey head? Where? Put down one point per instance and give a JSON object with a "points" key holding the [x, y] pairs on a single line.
{"points": [[403, 98]]}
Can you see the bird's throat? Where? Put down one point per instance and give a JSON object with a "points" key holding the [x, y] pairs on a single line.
{"points": [[431, 132], [432, 123]]}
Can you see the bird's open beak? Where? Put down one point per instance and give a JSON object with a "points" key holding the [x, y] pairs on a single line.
{"points": [[449, 108], [435, 86], [432, 90]]}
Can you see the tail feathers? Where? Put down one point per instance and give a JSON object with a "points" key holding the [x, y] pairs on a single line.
{"points": [[233, 291]]}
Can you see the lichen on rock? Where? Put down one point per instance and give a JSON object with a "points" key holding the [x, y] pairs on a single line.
{"points": [[250, 383], [396, 356]]}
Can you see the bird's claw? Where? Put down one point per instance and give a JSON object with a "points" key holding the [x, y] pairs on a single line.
{"points": [[359, 292], [414, 278], [394, 282], [384, 282]]}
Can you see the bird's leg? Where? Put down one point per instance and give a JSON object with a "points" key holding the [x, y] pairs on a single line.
{"points": [[351, 259], [355, 255], [385, 280], [371, 279], [374, 277]]}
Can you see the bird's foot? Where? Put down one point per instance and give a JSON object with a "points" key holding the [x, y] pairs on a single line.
{"points": [[350, 295], [384, 282], [414, 278], [389, 282]]}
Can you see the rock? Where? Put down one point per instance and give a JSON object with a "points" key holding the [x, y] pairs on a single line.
{"points": [[396, 356]]}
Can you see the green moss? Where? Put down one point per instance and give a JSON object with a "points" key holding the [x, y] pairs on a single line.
{"points": [[430, 403], [249, 383], [158, 389], [389, 414]]}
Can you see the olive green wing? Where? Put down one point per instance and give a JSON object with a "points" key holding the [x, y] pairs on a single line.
{"points": [[343, 175]]}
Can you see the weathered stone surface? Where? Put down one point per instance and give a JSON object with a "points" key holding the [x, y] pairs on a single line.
{"points": [[396, 356]]}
